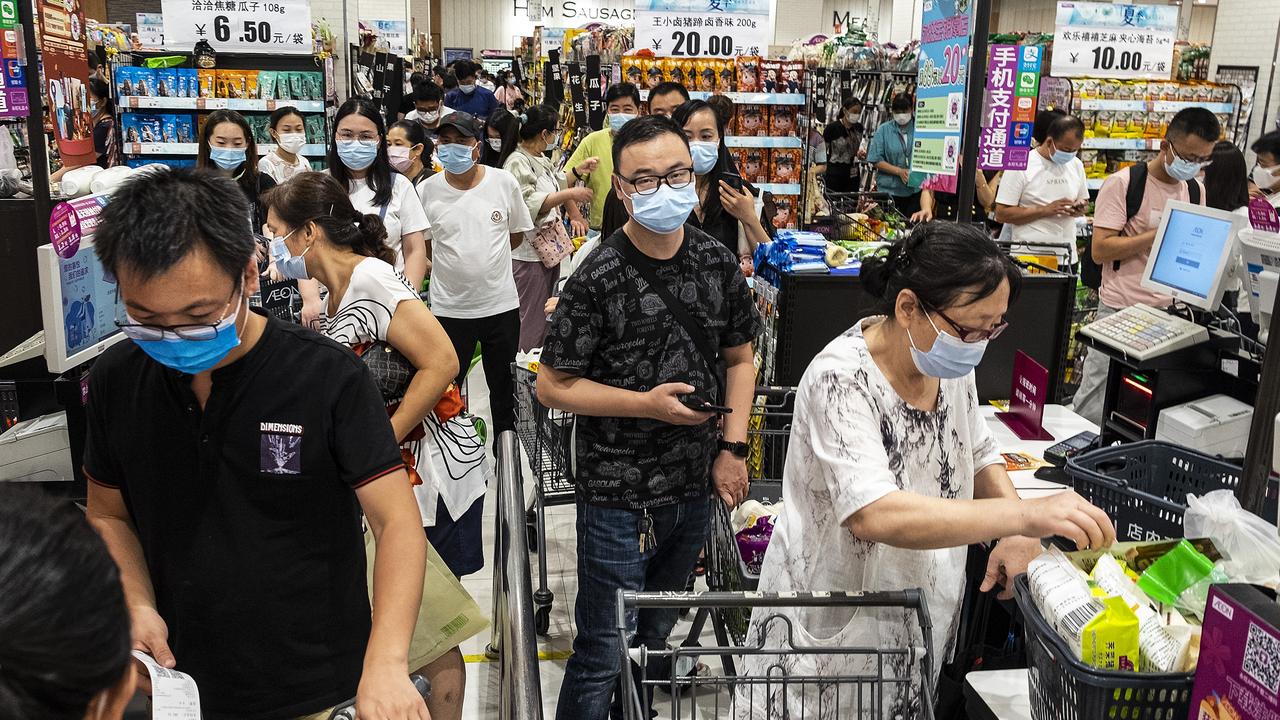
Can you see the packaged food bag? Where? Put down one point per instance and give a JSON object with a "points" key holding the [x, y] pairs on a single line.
{"points": [[1110, 640]]}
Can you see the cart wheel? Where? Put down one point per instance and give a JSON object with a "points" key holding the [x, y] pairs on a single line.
{"points": [[542, 620]]}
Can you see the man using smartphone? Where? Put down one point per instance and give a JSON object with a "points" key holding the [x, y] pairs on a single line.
{"points": [[1041, 204]]}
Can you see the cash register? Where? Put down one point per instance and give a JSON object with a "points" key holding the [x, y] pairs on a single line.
{"points": [[1166, 357]]}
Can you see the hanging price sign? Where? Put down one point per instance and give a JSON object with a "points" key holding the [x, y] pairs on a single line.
{"points": [[1114, 41], [940, 86], [704, 28], [275, 26]]}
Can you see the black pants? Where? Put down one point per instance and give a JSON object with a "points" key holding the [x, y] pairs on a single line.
{"points": [[499, 336]]}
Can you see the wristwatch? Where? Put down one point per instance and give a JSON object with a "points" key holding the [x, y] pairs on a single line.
{"points": [[739, 449]]}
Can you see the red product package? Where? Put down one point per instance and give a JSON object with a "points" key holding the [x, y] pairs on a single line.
{"points": [[754, 166], [753, 120], [748, 73], [786, 165], [791, 79], [785, 211], [770, 73], [782, 120]]}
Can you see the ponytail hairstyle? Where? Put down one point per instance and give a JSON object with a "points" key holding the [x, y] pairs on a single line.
{"points": [[945, 264], [318, 198], [508, 126], [536, 120], [64, 626]]}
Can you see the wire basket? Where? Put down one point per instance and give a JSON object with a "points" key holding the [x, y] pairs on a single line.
{"points": [[1064, 688], [1143, 486], [544, 433]]}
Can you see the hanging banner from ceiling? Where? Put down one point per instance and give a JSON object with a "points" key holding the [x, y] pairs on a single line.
{"points": [[1013, 83], [704, 28], [1114, 41], [940, 85], [274, 26]]}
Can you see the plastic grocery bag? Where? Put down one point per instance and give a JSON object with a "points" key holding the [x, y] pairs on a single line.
{"points": [[1249, 544], [447, 616]]}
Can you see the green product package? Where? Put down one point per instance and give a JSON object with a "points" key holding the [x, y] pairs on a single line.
{"points": [[1179, 569], [315, 129], [267, 84], [296, 89], [1110, 640], [168, 61]]}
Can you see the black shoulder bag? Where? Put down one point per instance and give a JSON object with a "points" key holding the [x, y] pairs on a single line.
{"points": [[677, 309]]}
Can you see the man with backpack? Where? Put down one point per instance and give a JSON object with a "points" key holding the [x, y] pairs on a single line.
{"points": [[1126, 217]]}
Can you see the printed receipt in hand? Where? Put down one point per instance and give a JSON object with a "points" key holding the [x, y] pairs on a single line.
{"points": [[174, 695]]}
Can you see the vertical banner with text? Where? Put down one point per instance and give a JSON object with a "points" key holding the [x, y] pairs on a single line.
{"points": [[940, 85], [1013, 83], [66, 74], [578, 97], [704, 28], [595, 95]]}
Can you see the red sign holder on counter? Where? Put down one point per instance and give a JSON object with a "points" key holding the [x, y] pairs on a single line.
{"points": [[1026, 400]]}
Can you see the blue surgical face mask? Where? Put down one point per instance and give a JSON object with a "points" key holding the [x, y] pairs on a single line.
{"points": [[467, 89], [293, 267], [949, 358], [227, 158], [194, 356], [455, 159], [666, 210], [705, 156], [357, 155], [617, 120], [1183, 170], [1062, 157]]}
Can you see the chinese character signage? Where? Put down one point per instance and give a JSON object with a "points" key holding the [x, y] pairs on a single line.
{"points": [[395, 33], [940, 83], [1114, 41], [1013, 82], [275, 26], [704, 28], [13, 87]]}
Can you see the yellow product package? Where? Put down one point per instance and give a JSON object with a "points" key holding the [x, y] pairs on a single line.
{"points": [[1110, 640], [447, 615]]}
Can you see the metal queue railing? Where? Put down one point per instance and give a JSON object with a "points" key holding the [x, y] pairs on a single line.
{"points": [[513, 640]]}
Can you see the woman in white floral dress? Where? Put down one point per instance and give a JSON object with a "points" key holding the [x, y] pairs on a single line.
{"points": [[891, 472]]}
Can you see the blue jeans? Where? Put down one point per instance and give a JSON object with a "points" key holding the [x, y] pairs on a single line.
{"points": [[609, 559]]}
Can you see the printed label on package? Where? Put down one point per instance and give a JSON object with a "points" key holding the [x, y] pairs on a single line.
{"points": [[704, 28], [1094, 39], [275, 26], [940, 81]]}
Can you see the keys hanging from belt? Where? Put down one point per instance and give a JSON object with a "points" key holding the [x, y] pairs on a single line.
{"points": [[647, 539]]}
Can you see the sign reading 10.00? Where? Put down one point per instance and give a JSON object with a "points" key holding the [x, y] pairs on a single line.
{"points": [[282, 26]]}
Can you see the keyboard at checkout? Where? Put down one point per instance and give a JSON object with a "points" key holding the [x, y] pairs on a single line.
{"points": [[1140, 332], [36, 450]]}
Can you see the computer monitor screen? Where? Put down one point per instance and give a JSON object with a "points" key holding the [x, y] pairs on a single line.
{"points": [[80, 306], [1192, 253]]}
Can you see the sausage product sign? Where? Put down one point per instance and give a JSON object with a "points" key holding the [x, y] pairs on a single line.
{"points": [[263, 26]]}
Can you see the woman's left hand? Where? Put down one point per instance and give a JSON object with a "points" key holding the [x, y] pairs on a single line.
{"points": [[1008, 560], [738, 203]]}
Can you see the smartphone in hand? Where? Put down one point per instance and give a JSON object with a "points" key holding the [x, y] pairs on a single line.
{"points": [[697, 405], [734, 180]]}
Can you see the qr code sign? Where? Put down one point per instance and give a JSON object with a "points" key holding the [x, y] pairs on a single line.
{"points": [[1262, 658]]}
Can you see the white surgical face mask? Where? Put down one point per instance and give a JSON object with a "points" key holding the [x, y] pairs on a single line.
{"points": [[902, 118], [1263, 177], [496, 144]]}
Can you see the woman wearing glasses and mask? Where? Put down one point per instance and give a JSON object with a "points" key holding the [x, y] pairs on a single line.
{"points": [[892, 472]]}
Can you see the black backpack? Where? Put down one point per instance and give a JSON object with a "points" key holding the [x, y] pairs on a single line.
{"points": [[1090, 271]]}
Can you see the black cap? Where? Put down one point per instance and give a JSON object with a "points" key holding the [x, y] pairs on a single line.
{"points": [[463, 122]]}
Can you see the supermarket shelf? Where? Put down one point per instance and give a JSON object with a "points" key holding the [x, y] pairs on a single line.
{"points": [[1160, 106], [780, 188], [177, 103], [746, 98], [743, 141], [1120, 144], [316, 150]]}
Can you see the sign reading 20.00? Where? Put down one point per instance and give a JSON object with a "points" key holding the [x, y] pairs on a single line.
{"points": [[282, 26], [703, 28]]}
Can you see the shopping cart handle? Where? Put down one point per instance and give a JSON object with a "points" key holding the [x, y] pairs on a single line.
{"points": [[910, 598], [347, 710]]}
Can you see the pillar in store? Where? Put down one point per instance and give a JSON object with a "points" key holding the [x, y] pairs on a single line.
{"points": [[794, 19]]}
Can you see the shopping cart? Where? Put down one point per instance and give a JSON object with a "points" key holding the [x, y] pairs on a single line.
{"points": [[768, 434], [781, 691], [544, 435], [865, 216]]}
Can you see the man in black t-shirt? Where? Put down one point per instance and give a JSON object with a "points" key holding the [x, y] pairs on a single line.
{"points": [[230, 456], [617, 356]]}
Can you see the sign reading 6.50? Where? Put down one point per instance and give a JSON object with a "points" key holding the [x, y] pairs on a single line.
{"points": [[250, 31]]}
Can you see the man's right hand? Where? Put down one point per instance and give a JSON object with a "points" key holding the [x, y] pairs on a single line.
{"points": [[1060, 208], [665, 406], [150, 635], [1068, 515]]}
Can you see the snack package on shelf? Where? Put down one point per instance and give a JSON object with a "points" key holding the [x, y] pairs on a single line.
{"points": [[315, 129], [728, 71], [129, 131], [167, 82], [791, 79], [672, 70], [754, 166], [249, 83], [633, 70], [704, 75], [770, 72], [186, 129], [786, 165], [782, 120], [208, 80], [653, 72], [748, 73], [785, 216], [753, 120], [313, 84], [297, 85], [267, 84], [169, 128]]}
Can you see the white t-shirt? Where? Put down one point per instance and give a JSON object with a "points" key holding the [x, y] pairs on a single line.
{"points": [[403, 213], [1042, 183], [471, 244], [278, 169], [854, 441]]}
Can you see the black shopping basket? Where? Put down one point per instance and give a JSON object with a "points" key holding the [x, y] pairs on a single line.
{"points": [[1064, 688], [1143, 486]]}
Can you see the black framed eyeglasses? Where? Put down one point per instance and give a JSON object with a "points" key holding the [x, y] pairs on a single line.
{"points": [[1197, 161], [649, 184], [195, 331], [973, 335]]}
